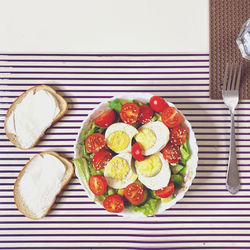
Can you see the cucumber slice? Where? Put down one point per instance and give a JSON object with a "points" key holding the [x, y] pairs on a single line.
{"points": [[176, 169], [177, 180]]}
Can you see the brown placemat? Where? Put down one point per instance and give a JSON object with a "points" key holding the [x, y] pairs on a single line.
{"points": [[226, 20]]}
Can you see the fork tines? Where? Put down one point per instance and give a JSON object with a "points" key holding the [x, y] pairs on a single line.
{"points": [[232, 72]]}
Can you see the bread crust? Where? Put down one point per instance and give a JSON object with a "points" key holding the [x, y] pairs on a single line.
{"points": [[67, 177], [61, 102]]}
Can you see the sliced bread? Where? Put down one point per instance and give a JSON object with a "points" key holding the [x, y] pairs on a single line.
{"points": [[31, 114], [39, 182]]}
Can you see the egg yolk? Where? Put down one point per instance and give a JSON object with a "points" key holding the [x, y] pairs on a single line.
{"points": [[151, 166], [146, 138], [117, 168], [118, 141]]}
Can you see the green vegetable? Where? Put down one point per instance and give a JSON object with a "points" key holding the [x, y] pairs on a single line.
{"points": [[82, 167], [111, 191], [183, 171], [176, 168], [116, 105], [177, 180], [138, 103], [168, 199], [153, 195], [94, 171], [156, 117], [148, 208], [185, 152]]}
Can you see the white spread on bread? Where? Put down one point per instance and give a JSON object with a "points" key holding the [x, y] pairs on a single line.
{"points": [[32, 116], [41, 182]]}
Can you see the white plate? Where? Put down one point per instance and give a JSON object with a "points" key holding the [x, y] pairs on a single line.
{"points": [[191, 164]]}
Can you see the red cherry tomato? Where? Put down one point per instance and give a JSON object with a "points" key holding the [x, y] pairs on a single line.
{"points": [[157, 103], [171, 117], [113, 203], [106, 118], [101, 159], [95, 142], [136, 152], [171, 153], [129, 113], [134, 193], [97, 184], [178, 135], [146, 114], [166, 191]]}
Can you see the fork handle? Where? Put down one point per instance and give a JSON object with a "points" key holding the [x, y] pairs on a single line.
{"points": [[233, 180]]}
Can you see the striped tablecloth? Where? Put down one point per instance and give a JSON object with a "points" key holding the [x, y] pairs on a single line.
{"points": [[207, 218]]}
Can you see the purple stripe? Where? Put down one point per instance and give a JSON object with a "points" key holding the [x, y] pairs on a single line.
{"points": [[101, 85], [126, 228], [108, 67], [127, 247], [101, 79], [127, 241], [104, 73], [133, 222], [102, 54], [122, 235], [101, 61]]}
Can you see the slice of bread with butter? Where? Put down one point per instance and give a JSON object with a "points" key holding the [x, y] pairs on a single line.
{"points": [[39, 182], [31, 114]]}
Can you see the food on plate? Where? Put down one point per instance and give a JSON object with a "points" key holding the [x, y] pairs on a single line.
{"points": [[153, 170], [119, 137], [119, 171], [39, 182], [152, 137], [31, 114], [134, 154]]}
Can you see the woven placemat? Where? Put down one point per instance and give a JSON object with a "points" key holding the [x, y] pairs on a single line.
{"points": [[226, 20]]}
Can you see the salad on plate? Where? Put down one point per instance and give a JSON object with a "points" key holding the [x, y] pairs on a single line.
{"points": [[132, 155]]}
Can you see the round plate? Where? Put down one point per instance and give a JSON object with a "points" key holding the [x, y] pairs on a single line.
{"points": [[191, 164]]}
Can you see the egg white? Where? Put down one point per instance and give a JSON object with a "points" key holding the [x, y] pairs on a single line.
{"points": [[162, 137], [128, 179], [126, 128], [158, 181]]}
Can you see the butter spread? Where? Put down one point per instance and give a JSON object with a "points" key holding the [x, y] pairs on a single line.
{"points": [[31, 116], [41, 183]]}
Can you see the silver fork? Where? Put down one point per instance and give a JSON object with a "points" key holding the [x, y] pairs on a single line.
{"points": [[230, 94]]}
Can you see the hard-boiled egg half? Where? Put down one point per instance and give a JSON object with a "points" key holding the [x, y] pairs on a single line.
{"points": [[119, 137], [154, 171], [119, 172], [153, 137]]}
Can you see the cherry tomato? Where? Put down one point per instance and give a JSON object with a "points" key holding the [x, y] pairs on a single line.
{"points": [[95, 142], [106, 118], [166, 191], [101, 159], [134, 193], [178, 135], [136, 152], [97, 184], [171, 117], [171, 153], [129, 113], [157, 103], [146, 114], [113, 203]]}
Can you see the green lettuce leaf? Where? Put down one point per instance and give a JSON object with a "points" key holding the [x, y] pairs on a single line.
{"points": [[185, 152], [148, 208], [116, 105]]}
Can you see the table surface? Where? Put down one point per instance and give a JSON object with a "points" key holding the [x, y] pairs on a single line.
{"points": [[110, 26], [208, 217]]}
